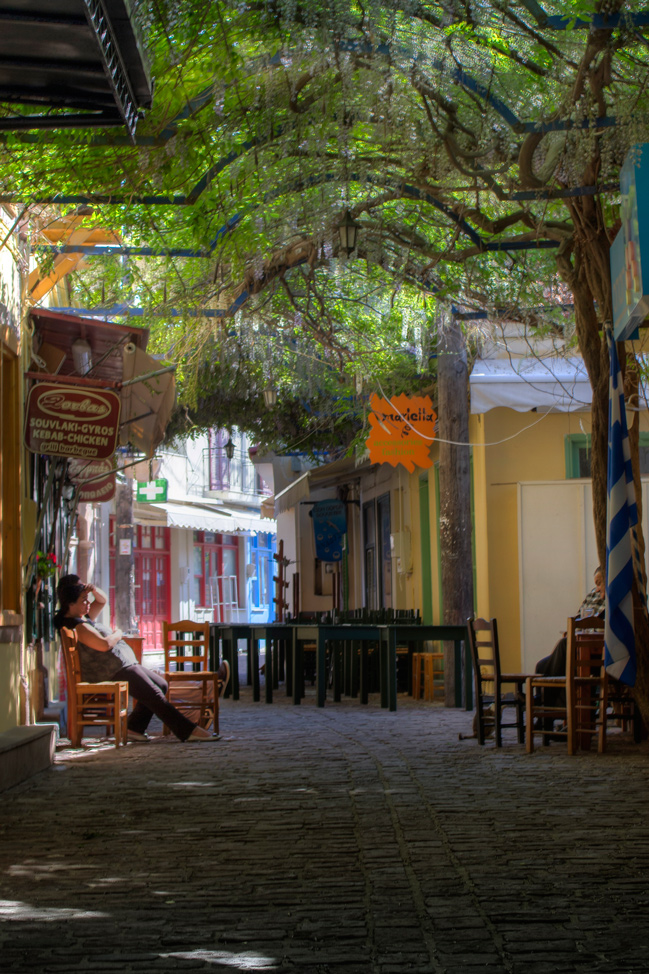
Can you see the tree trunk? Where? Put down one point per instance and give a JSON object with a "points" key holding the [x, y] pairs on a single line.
{"points": [[124, 560], [454, 486], [589, 276]]}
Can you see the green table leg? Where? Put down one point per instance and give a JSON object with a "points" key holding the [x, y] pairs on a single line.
{"points": [[230, 652], [391, 671], [253, 661], [468, 677], [337, 654], [364, 675], [383, 670], [321, 674], [298, 669], [269, 668]]}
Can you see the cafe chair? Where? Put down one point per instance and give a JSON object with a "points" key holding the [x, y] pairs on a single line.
{"points": [[560, 707], [597, 699], [495, 691], [589, 682], [92, 704], [427, 675], [193, 687]]}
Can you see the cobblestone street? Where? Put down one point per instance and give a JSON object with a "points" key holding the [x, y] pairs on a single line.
{"points": [[347, 840]]}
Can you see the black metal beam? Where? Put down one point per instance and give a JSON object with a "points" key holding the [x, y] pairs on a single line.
{"points": [[42, 19], [113, 64], [18, 94], [65, 66], [21, 122]]}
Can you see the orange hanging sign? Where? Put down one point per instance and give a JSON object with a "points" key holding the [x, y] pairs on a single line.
{"points": [[402, 430]]}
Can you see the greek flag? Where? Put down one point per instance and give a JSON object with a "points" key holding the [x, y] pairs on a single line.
{"points": [[621, 518]]}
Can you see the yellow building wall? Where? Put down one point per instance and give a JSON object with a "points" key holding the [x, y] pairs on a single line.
{"points": [[507, 448], [517, 447], [10, 695]]}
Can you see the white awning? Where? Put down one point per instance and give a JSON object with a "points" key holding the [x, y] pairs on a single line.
{"points": [[221, 520], [342, 471], [524, 383], [293, 494], [146, 405]]}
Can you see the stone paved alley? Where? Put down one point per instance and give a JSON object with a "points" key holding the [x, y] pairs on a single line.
{"points": [[346, 840]]}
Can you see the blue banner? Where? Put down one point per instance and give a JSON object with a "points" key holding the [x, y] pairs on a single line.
{"points": [[329, 526]]}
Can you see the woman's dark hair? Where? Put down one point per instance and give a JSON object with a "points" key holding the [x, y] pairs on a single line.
{"points": [[69, 591], [68, 580]]}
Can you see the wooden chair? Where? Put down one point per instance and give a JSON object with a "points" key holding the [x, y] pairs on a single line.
{"points": [[193, 687], [490, 695], [92, 704], [427, 678], [594, 692], [584, 643], [589, 682]]}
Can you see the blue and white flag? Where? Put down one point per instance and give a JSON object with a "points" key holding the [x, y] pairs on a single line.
{"points": [[621, 518]]}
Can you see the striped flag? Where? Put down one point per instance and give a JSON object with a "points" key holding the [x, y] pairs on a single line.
{"points": [[621, 518]]}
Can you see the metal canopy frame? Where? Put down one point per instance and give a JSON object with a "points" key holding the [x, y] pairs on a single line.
{"points": [[101, 79]]}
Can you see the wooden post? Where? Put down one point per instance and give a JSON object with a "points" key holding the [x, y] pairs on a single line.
{"points": [[124, 561], [454, 487], [280, 583]]}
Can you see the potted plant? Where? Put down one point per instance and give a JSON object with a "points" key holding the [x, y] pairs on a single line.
{"points": [[46, 566]]}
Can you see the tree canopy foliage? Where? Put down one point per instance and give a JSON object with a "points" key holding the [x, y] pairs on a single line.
{"points": [[476, 144]]}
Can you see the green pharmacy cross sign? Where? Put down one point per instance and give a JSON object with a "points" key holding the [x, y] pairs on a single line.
{"points": [[152, 491]]}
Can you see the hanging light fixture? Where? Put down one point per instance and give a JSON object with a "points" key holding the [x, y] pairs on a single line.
{"points": [[229, 449], [82, 356], [348, 230], [270, 396]]}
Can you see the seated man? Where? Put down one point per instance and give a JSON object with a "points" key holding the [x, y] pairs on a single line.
{"points": [[555, 663], [105, 656]]}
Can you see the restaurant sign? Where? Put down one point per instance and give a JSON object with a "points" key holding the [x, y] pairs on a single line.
{"points": [[71, 421], [402, 430], [94, 479], [629, 253]]}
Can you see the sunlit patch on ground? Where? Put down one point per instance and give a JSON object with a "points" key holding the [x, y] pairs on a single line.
{"points": [[15, 910], [244, 961]]}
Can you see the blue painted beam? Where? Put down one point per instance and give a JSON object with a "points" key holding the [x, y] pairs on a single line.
{"points": [[638, 18]]}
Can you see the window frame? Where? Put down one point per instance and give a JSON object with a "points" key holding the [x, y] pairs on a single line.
{"points": [[573, 442]]}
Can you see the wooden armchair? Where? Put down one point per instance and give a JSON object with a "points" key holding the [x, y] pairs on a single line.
{"points": [[193, 687], [490, 682], [583, 688], [589, 690], [92, 704]]}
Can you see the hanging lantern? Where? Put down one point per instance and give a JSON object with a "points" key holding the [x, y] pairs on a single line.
{"points": [[348, 230], [229, 449], [270, 396]]}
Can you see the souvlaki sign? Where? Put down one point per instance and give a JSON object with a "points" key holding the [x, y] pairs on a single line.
{"points": [[71, 421]]}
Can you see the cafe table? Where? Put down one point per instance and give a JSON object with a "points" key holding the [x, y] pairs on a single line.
{"points": [[229, 634], [413, 636], [276, 636], [338, 635], [359, 636]]}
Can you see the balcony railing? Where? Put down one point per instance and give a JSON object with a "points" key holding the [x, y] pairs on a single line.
{"points": [[237, 475]]}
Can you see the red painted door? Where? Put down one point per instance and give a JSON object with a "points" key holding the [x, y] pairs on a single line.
{"points": [[152, 603], [152, 570]]}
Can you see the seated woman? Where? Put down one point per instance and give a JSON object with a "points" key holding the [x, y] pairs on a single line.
{"points": [[555, 664], [104, 655]]}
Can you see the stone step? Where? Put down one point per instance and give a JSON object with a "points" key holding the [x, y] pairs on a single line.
{"points": [[24, 751]]}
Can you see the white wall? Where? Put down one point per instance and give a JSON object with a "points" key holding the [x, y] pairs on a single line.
{"points": [[557, 558]]}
